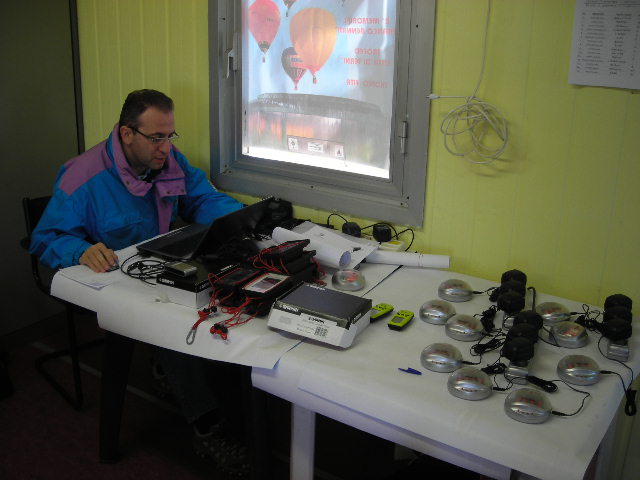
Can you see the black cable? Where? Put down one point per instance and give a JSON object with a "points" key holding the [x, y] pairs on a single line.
{"points": [[487, 318], [588, 319], [396, 234], [591, 314], [615, 360], [337, 215], [546, 341], [143, 270], [491, 291], [586, 395], [129, 258], [467, 362], [630, 408], [630, 404], [495, 368], [547, 385], [413, 236], [480, 349]]}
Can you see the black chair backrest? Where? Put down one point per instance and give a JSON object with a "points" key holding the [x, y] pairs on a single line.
{"points": [[33, 208]]}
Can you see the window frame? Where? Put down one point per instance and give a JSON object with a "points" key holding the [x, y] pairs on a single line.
{"points": [[401, 199]]}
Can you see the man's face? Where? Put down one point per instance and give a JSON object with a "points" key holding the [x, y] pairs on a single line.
{"points": [[142, 152]]}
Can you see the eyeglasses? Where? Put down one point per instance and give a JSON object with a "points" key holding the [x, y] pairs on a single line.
{"points": [[157, 140]]}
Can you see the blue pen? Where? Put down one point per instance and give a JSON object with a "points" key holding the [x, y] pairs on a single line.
{"points": [[410, 370]]}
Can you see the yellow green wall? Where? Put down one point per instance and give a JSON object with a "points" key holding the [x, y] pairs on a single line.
{"points": [[561, 204]]}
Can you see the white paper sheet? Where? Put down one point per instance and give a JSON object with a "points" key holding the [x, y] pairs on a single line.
{"points": [[84, 275], [131, 309], [606, 44]]}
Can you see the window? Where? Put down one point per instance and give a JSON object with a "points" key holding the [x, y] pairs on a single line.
{"points": [[323, 102]]}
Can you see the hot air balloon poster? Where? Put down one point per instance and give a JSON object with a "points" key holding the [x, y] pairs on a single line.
{"points": [[293, 65], [318, 80], [264, 20], [313, 33]]}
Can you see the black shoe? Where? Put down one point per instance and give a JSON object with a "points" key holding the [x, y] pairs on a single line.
{"points": [[228, 454]]}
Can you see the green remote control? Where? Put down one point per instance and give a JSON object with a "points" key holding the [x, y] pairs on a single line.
{"points": [[380, 310], [400, 320]]}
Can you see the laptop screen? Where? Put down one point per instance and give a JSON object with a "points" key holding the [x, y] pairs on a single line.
{"points": [[232, 226], [200, 240]]}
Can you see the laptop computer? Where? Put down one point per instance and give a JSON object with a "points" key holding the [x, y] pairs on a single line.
{"points": [[196, 239]]}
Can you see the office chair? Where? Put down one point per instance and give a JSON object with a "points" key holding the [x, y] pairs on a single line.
{"points": [[33, 209]]}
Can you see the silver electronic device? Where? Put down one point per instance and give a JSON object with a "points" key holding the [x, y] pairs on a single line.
{"points": [[568, 334], [441, 357], [182, 269], [553, 312], [436, 312], [466, 328], [517, 372], [616, 350], [616, 329], [348, 280], [469, 383], [578, 370], [527, 405], [455, 290]]}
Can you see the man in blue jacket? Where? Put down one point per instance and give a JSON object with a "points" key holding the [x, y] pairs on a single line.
{"points": [[126, 189]]}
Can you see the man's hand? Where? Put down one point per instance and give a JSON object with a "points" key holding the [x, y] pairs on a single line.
{"points": [[98, 257]]}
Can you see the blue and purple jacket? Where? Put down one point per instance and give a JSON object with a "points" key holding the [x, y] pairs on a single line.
{"points": [[98, 197]]}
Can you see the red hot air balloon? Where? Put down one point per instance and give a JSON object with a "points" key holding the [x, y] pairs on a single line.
{"points": [[313, 34], [293, 65], [264, 21], [288, 3]]}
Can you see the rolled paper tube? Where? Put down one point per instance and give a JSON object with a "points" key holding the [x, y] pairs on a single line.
{"points": [[326, 254], [409, 259]]}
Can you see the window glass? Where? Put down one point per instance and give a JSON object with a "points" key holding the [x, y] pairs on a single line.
{"points": [[318, 82]]}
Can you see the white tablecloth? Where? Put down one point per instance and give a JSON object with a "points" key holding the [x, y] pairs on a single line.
{"points": [[132, 308], [365, 379]]}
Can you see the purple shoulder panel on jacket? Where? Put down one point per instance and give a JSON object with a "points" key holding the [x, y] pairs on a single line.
{"points": [[79, 170]]}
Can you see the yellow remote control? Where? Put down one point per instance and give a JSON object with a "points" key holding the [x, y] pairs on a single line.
{"points": [[400, 320]]}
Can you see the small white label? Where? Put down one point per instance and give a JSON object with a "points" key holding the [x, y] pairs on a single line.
{"points": [[315, 147], [292, 142]]}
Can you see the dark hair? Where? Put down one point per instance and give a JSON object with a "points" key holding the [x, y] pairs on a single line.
{"points": [[137, 103]]}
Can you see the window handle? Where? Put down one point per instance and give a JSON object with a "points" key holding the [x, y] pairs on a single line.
{"points": [[231, 55]]}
